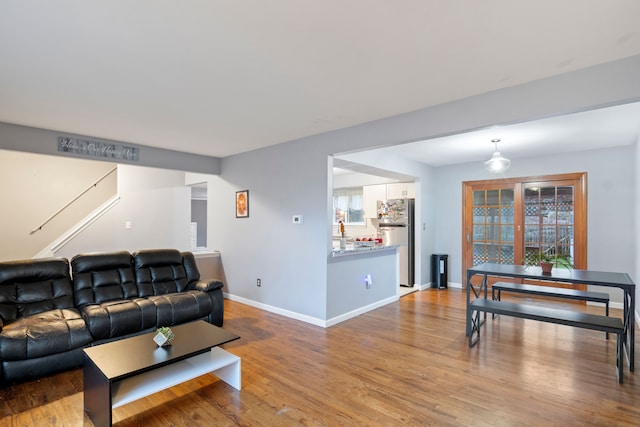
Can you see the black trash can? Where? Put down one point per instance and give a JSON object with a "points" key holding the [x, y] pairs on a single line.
{"points": [[439, 270]]}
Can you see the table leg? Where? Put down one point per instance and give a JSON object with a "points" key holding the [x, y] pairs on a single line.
{"points": [[485, 284], [468, 327], [632, 327], [97, 394]]}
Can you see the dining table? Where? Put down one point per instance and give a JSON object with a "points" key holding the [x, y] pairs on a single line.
{"points": [[562, 275]]}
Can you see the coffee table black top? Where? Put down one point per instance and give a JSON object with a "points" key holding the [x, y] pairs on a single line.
{"points": [[131, 356]]}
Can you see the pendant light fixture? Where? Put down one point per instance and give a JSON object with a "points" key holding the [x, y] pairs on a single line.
{"points": [[497, 163]]}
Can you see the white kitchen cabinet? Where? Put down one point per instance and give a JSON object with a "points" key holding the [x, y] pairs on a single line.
{"points": [[370, 195], [401, 190]]}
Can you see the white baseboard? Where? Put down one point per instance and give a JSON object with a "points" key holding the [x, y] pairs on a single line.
{"points": [[449, 285], [276, 310], [362, 310], [310, 319]]}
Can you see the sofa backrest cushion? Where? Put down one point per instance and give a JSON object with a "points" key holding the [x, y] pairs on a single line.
{"points": [[103, 277], [190, 267], [159, 271], [33, 286]]}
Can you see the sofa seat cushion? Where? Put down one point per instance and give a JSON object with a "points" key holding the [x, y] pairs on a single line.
{"points": [[181, 307], [116, 318], [42, 334]]}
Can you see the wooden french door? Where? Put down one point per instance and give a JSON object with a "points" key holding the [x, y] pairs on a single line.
{"points": [[512, 221]]}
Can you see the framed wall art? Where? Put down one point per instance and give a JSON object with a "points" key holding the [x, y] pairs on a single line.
{"points": [[242, 204]]}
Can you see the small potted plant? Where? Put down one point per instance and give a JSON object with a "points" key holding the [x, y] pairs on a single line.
{"points": [[547, 261], [163, 336]]}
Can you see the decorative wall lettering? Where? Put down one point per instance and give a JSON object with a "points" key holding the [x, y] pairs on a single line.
{"points": [[87, 147]]}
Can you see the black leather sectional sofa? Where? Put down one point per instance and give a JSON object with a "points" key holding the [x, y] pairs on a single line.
{"points": [[52, 308]]}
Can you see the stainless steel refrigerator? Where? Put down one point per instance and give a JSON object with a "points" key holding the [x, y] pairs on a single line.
{"points": [[396, 227]]}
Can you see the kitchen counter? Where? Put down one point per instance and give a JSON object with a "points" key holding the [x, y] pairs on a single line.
{"points": [[356, 250]]}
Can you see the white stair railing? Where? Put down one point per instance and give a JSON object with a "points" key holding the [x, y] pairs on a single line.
{"points": [[59, 243]]}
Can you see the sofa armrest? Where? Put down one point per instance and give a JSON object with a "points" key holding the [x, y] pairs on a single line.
{"points": [[205, 285], [1, 324]]}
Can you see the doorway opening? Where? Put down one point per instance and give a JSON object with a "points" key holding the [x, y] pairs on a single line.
{"points": [[198, 216]]}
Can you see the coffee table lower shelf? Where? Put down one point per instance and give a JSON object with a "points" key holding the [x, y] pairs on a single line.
{"points": [[219, 362], [102, 395]]}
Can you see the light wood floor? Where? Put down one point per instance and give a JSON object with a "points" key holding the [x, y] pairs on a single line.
{"points": [[404, 364]]}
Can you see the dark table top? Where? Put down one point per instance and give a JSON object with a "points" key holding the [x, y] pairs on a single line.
{"points": [[588, 277], [132, 356]]}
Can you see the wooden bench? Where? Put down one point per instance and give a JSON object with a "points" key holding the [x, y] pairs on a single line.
{"points": [[549, 291], [550, 315]]}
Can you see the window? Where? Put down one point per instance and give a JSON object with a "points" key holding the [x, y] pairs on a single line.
{"points": [[348, 206]]}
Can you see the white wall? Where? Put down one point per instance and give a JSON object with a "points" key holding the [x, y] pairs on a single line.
{"points": [[35, 187], [610, 204], [155, 201], [357, 179]]}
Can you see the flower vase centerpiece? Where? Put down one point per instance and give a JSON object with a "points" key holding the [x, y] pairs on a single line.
{"points": [[163, 336]]}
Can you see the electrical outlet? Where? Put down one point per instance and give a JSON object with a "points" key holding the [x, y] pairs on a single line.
{"points": [[368, 281], [297, 219], [259, 283]]}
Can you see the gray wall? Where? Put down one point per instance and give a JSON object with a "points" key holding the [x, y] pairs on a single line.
{"points": [[43, 141], [291, 260], [346, 286], [293, 178]]}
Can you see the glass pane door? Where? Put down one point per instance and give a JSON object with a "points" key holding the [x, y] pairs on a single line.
{"points": [[515, 220], [548, 222], [493, 226]]}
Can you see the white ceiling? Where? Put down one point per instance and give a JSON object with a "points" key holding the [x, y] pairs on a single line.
{"points": [[223, 77]]}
